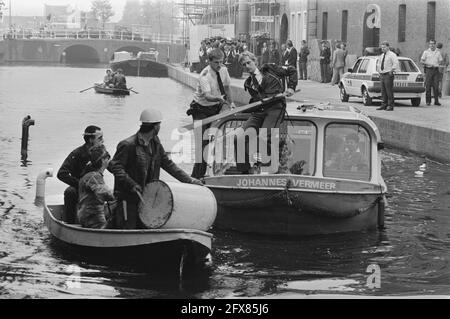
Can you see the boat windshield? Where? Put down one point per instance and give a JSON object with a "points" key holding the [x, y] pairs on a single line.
{"points": [[347, 152], [294, 153]]}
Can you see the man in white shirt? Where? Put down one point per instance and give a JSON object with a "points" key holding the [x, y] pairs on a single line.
{"points": [[387, 64], [212, 95], [431, 59]]}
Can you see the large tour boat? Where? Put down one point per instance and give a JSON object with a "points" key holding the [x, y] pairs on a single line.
{"points": [[325, 177], [143, 64]]}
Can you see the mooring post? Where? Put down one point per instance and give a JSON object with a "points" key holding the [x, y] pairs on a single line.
{"points": [[26, 122]]}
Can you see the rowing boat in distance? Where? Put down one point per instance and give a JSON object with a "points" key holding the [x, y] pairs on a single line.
{"points": [[101, 88]]}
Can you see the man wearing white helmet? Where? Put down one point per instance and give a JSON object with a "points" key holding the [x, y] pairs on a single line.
{"points": [[137, 162]]}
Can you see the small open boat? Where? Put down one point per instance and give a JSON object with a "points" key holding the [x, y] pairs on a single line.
{"points": [[100, 88], [324, 174], [164, 249]]}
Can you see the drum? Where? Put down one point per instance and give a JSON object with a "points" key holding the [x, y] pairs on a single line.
{"points": [[177, 205]]}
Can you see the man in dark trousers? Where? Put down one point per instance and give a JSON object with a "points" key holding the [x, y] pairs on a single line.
{"points": [[387, 64], [303, 61], [212, 96], [291, 55], [325, 55], [73, 168], [274, 54], [137, 162], [431, 60], [265, 82]]}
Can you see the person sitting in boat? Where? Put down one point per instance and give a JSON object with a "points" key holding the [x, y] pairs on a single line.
{"points": [[137, 161], [119, 80], [93, 192], [264, 82], [212, 96], [72, 170], [108, 80], [350, 158]]}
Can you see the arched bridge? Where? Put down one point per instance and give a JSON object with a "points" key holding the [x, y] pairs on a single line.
{"points": [[62, 50], [69, 50]]}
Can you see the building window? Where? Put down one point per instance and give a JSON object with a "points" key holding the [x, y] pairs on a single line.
{"points": [[431, 20], [324, 25], [344, 25], [402, 23]]}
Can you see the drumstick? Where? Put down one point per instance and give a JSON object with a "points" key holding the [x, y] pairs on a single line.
{"points": [[140, 196]]}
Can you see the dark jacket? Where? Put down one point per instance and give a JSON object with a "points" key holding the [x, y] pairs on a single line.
{"points": [[303, 56], [273, 81], [274, 56], [326, 53], [292, 57], [120, 82], [134, 163], [137, 164], [73, 166]]}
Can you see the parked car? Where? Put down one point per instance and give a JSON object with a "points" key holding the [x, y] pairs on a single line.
{"points": [[363, 80]]}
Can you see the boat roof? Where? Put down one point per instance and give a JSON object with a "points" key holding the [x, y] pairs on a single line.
{"points": [[330, 112]]}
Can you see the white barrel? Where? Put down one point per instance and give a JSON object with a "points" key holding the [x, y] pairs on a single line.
{"points": [[177, 205]]}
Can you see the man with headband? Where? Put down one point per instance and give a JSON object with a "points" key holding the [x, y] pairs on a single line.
{"points": [[73, 168]]}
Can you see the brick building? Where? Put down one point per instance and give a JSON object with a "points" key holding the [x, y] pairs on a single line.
{"points": [[405, 24]]}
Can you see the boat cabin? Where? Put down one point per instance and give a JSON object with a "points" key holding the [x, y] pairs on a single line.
{"points": [[324, 141]]}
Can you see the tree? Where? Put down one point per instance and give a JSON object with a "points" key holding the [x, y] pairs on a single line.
{"points": [[102, 10], [131, 13]]}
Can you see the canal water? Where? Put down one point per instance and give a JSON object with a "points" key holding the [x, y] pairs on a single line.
{"points": [[410, 257]]}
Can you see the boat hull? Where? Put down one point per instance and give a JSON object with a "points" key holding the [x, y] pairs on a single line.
{"points": [[112, 91], [136, 67], [295, 211], [148, 246]]}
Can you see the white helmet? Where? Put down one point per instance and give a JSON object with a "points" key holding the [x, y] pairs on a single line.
{"points": [[151, 116]]}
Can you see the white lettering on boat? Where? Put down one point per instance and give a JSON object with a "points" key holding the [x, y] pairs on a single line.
{"points": [[281, 182]]}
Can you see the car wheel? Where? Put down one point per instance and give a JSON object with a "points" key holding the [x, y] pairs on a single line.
{"points": [[343, 94], [367, 100], [415, 101]]}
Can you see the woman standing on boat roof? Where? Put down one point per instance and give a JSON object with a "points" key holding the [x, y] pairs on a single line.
{"points": [[93, 190], [137, 162], [264, 82]]}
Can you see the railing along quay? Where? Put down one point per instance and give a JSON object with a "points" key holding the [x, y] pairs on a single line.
{"points": [[89, 34]]}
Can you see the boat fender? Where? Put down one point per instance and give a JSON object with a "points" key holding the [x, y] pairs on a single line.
{"points": [[381, 208], [40, 185]]}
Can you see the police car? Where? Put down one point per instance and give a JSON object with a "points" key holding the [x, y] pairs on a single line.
{"points": [[363, 80]]}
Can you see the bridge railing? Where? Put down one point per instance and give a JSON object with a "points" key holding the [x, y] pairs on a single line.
{"points": [[89, 34]]}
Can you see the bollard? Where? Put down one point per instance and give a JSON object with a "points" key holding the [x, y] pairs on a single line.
{"points": [[26, 122], [40, 186]]}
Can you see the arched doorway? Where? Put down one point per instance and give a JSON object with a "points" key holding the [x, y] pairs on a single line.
{"points": [[80, 53], [284, 29]]}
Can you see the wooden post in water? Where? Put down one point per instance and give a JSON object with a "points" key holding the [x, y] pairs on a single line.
{"points": [[26, 122]]}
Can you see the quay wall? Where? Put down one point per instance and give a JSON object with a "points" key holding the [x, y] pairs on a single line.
{"points": [[421, 139]]}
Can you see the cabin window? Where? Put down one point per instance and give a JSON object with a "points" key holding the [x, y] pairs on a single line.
{"points": [[347, 152], [296, 151]]}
